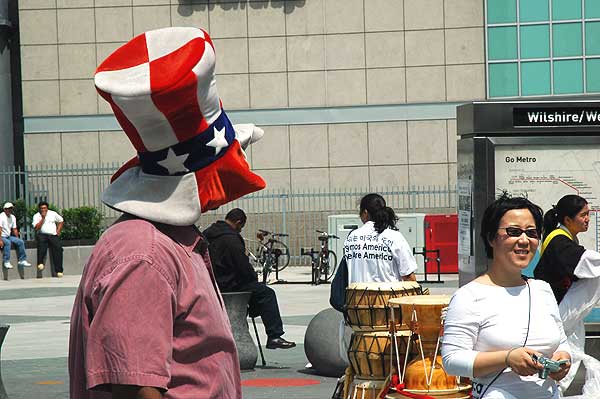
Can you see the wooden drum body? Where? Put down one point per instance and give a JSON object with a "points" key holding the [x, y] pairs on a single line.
{"points": [[365, 389], [367, 306], [423, 315], [370, 354]]}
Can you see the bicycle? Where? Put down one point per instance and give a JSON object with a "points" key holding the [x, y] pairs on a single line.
{"points": [[272, 255], [322, 260]]}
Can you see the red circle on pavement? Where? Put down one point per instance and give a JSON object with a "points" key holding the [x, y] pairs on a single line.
{"points": [[279, 382]]}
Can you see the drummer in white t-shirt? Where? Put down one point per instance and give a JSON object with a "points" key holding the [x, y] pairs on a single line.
{"points": [[377, 252]]}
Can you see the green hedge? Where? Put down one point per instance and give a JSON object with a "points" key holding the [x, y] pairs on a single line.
{"points": [[80, 223]]}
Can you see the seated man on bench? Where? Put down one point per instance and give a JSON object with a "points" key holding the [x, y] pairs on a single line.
{"points": [[10, 235], [234, 273]]}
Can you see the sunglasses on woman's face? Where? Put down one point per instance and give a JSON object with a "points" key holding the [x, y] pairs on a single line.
{"points": [[516, 232]]}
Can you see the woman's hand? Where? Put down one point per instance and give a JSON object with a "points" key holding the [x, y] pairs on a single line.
{"points": [[520, 361], [564, 368]]}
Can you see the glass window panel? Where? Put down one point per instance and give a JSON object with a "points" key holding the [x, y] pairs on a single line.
{"points": [[566, 40], [533, 10], [592, 38], [566, 9], [504, 81], [535, 41], [535, 78], [502, 43], [592, 9], [568, 76], [501, 11], [592, 74]]}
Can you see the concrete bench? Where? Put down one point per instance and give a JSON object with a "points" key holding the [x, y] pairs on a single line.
{"points": [[74, 259], [236, 304]]}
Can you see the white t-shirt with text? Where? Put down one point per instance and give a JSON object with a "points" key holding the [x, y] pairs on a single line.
{"points": [[377, 257], [50, 222]]}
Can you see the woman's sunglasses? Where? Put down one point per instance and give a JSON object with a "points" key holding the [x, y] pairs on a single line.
{"points": [[516, 232]]}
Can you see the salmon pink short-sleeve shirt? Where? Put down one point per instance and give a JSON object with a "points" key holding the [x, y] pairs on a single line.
{"points": [[148, 313]]}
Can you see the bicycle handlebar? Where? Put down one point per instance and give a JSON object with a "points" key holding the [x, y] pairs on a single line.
{"points": [[323, 233], [266, 233]]}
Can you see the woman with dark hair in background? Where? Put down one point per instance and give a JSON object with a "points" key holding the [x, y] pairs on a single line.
{"points": [[497, 322], [377, 251], [572, 271]]}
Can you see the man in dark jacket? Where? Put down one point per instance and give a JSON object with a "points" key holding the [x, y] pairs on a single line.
{"points": [[234, 273]]}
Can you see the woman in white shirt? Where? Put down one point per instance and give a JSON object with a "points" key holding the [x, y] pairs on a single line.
{"points": [[377, 251], [499, 320]]}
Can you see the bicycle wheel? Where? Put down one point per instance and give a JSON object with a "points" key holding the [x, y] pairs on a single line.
{"points": [[316, 273], [284, 255], [328, 265], [266, 269], [254, 262]]}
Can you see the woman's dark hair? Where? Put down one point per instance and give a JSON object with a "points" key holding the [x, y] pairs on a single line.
{"points": [[380, 214], [494, 212], [569, 205]]}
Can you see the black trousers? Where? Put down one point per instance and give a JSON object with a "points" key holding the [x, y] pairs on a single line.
{"points": [[56, 250], [263, 303]]}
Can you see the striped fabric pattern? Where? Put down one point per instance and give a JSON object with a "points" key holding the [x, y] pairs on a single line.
{"points": [[161, 86]]}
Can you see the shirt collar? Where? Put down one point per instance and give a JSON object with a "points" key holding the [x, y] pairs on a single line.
{"points": [[187, 237], [562, 226]]}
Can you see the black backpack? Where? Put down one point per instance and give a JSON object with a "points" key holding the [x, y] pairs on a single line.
{"points": [[337, 295]]}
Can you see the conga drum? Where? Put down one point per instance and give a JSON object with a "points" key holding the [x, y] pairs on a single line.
{"points": [[361, 389], [367, 306], [370, 353], [425, 374]]}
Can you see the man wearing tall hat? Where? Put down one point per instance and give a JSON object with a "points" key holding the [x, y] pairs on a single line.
{"points": [[148, 320]]}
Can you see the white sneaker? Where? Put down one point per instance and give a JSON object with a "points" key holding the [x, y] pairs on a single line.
{"points": [[8, 265], [24, 263], [40, 267], [59, 274]]}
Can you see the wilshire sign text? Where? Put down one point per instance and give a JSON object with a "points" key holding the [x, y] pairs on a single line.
{"points": [[543, 117]]}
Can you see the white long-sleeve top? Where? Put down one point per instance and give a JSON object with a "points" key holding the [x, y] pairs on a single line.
{"points": [[484, 318]]}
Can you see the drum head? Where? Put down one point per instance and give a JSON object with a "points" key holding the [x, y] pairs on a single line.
{"points": [[420, 300], [388, 286]]}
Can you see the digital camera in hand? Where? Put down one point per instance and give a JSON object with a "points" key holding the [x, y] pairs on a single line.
{"points": [[550, 366]]}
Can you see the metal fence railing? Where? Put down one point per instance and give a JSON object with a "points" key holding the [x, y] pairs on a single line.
{"points": [[297, 213], [300, 213]]}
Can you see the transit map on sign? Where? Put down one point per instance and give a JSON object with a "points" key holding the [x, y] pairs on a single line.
{"points": [[545, 173]]}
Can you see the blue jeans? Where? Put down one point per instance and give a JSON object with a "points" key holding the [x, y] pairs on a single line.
{"points": [[18, 243]]}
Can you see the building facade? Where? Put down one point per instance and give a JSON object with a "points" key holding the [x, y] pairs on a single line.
{"points": [[349, 92]]}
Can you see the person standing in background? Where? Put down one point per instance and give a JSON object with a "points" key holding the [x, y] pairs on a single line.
{"points": [[390, 257], [573, 272], [48, 225]]}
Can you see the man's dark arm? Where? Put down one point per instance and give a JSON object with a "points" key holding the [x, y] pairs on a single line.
{"points": [[135, 392]]}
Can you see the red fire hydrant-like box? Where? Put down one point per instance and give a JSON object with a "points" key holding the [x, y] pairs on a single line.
{"points": [[441, 232]]}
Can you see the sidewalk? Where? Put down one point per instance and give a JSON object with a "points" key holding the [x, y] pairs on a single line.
{"points": [[34, 354]]}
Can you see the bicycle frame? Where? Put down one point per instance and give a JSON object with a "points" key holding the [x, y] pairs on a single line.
{"points": [[268, 256]]}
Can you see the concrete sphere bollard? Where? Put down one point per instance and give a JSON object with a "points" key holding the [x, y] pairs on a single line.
{"points": [[236, 304], [322, 343]]}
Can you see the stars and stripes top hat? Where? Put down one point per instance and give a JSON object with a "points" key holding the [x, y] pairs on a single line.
{"points": [[190, 159]]}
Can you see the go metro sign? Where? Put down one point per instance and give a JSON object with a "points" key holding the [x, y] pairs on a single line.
{"points": [[544, 117]]}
